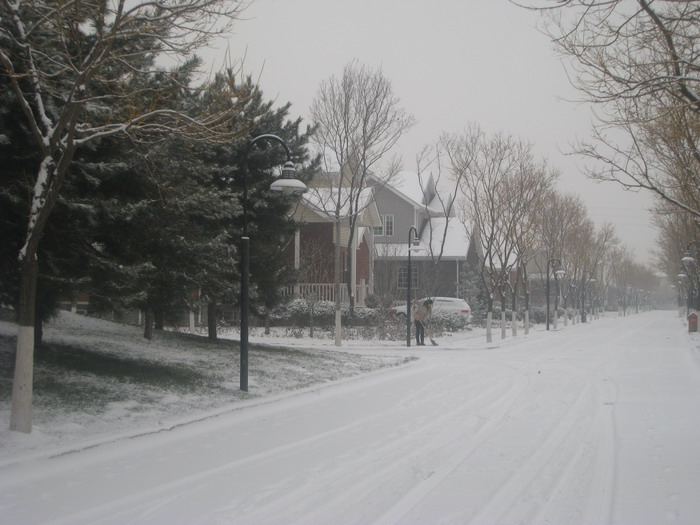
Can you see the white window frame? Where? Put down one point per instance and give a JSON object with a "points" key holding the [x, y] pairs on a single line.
{"points": [[402, 280], [388, 224]]}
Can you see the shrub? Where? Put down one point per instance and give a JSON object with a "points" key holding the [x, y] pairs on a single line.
{"points": [[447, 321]]}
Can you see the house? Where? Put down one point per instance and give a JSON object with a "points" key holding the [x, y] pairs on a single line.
{"points": [[324, 212], [446, 244]]}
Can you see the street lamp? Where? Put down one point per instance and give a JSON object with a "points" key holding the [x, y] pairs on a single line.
{"points": [[559, 273], [412, 238], [591, 296], [584, 286], [688, 261], [688, 291], [287, 183]]}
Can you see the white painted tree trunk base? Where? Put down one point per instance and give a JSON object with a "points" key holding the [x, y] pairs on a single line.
{"points": [[21, 414], [527, 322]]}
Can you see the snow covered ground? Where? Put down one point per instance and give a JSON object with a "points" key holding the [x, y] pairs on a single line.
{"points": [[591, 424]]}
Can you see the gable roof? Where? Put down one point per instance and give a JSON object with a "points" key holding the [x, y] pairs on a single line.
{"points": [[320, 204], [419, 191], [457, 241]]}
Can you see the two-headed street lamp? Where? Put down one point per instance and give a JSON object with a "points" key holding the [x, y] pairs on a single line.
{"points": [[557, 275], [287, 183]]}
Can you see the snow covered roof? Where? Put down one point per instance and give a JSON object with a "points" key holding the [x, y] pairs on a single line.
{"points": [[325, 201], [456, 243], [456, 234]]}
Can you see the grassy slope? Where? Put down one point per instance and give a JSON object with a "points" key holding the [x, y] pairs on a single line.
{"points": [[95, 378]]}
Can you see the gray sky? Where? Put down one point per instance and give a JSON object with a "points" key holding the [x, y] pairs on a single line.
{"points": [[451, 62]]}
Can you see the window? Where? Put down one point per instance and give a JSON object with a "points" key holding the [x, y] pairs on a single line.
{"points": [[387, 226], [403, 278]]}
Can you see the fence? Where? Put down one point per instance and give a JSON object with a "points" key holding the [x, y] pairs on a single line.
{"points": [[326, 292]]}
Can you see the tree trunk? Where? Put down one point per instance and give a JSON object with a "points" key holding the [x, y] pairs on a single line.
{"points": [[211, 320], [489, 325], [21, 411], [527, 321], [148, 324], [503, 315], [267, 322], [311, 319], [338, 318], [349, 284]]}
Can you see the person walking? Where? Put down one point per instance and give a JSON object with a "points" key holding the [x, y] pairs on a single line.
{"points": [[421, 315]]}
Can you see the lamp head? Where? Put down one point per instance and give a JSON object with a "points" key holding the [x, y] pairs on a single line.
{"points": [[288, 183], [688, 258]]}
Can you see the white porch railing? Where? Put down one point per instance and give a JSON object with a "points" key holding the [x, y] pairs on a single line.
{"points": [[326, 292]]}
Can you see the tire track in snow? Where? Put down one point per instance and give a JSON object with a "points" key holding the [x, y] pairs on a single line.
{"points": [[576, 445], [387, 464], [553, 463], [144, 502]]}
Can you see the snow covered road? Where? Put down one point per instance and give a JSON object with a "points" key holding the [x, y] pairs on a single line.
{"points": [[591, 424]]}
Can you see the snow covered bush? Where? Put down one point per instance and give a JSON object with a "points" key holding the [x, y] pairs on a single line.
{"points": [[448, 321]]}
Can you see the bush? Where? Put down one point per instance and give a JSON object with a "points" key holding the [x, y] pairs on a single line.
{"points": [[379, 301], [447, 321], [297, 312]]}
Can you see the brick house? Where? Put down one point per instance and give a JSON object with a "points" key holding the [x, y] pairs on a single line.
{"points": [[312, 251]]}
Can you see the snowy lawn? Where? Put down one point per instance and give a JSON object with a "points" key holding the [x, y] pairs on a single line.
{"points": [[95, 379]]}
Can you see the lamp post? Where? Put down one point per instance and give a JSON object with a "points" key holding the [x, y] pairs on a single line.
{"points": [[591, 297], [584, 286], [688, 291], [412, 237], [287, 183], [688, 261], [560, 273]]}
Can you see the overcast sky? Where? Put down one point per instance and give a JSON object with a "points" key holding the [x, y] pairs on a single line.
{"points": [[451, 62]]}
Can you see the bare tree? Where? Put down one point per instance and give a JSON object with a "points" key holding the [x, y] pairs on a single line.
{"points": [[639, 63], [439, 181], [501, 185], [359, 119], [82, 71], [676, 231]]}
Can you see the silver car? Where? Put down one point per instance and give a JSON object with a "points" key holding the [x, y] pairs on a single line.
{"points": [[451, 304]]}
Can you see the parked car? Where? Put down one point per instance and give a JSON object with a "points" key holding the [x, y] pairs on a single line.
{"points": [[451, 305], [444, 305]]}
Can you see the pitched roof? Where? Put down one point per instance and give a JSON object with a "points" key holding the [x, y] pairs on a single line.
{"points": [[324, 202], [456, 244], [415, 190]]}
